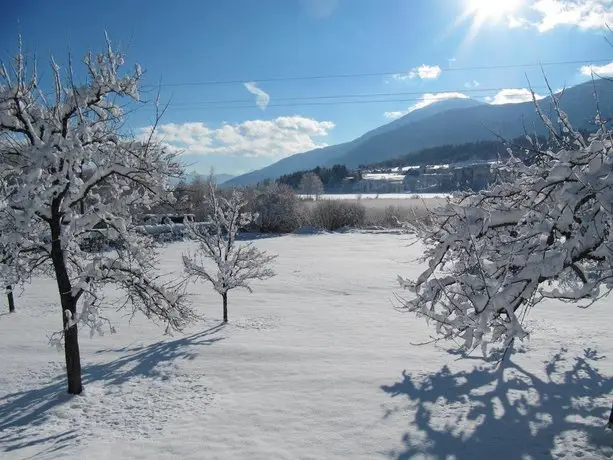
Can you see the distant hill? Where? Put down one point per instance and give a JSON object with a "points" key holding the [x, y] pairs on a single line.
{"points": [[450, 122], [220, 178], [223, 178], [470, 152], [327, 155]]}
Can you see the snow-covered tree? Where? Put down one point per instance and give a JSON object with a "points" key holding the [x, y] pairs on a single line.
{"points": [[235, 264], [545, 231], [311, 184], [9, 276], [277, 207], [69, 175]]}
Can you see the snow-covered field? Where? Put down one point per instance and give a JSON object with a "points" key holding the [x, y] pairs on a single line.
{"points": [[376, 196], [316, 364]]}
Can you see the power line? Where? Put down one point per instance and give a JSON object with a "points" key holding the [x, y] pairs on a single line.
{"points": [[382, 74], [251, 104], [363, 95]]}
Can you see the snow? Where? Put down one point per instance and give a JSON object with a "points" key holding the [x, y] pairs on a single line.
{"points": [[371, 196], [383, 176], [438, 167], [316, 363]]}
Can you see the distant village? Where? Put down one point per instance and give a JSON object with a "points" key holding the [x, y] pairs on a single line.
{"points": [[425, 178], [439, 178]]}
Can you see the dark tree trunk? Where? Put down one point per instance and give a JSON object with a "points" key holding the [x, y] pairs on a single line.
{"points": [[73, 359], [610, 424], [9, 296], [69, 304], [224, 296]]}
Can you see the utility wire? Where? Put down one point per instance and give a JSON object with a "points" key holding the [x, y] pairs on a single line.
{"points": [[299, 104], [251, 104], [382, 74], [364, 95]]}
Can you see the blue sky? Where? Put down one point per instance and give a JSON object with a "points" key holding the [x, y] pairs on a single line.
{"points": [[427, 47]]}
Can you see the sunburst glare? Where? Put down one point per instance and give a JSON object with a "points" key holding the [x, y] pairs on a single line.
{"points": [[480, 12]]}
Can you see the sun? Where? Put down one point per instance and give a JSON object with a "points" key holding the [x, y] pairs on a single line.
{"points": [[482, 12]]}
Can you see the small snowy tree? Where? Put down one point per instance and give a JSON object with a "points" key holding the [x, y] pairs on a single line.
{"points": [[69, 175], [235, 264], [544, 232], [311, 184]]}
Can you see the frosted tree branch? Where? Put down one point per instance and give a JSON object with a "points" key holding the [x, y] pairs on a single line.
{"points": [[69, 178], [233, 265], [542, 232]]}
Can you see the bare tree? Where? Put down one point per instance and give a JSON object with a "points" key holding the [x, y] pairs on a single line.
{"points": [[311, 185], [235, 264], [544, 232], [68, 176]]}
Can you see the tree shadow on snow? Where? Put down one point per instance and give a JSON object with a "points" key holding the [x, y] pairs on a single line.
{"points": [[21, 413], [505, 412]]}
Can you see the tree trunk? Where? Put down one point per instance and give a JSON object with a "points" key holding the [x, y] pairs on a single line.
{"points": [[73, 358], [610, 424], [69, 313], [224, 296], [9, 296]]}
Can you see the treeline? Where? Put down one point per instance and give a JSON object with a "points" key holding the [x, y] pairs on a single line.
{"points": [[280, 210], [471, 151], [332, 178]]}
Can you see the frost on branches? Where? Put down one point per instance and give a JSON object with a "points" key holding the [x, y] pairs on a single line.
{"points": [[68, 177], [544, 231], [235, 264]]}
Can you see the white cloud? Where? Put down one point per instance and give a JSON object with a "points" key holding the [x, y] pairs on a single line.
{"points": [[261, 98], [429, 72], [401, 76], [429, 98], [472, 84], [425, 100], [515, 22], [394, 115], [279, 137], [585, 14], [512, 96], [425, 72], [600, 70], [546, 15]]}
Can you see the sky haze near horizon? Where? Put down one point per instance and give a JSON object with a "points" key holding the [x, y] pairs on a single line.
{"points": [[407, 53]]}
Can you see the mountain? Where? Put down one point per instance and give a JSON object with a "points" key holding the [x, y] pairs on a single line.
{"points": [[423, 113], [223, 178], [484, 122], [327, 155], [297, 162], [450, 122], [219, 178]]}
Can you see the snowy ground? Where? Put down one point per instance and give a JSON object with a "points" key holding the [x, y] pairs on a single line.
{"points": [[376, 196], [316, 364]]}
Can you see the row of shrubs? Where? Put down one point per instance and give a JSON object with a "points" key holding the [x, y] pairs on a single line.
{"points": [[280, 211]]}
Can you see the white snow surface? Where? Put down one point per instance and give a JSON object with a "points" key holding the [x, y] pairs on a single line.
{"points": [[374, 196], [383, 176], [315, 364]]}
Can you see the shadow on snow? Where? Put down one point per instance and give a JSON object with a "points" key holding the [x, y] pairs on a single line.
{"points": [[505, 412], [24, 410]]}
